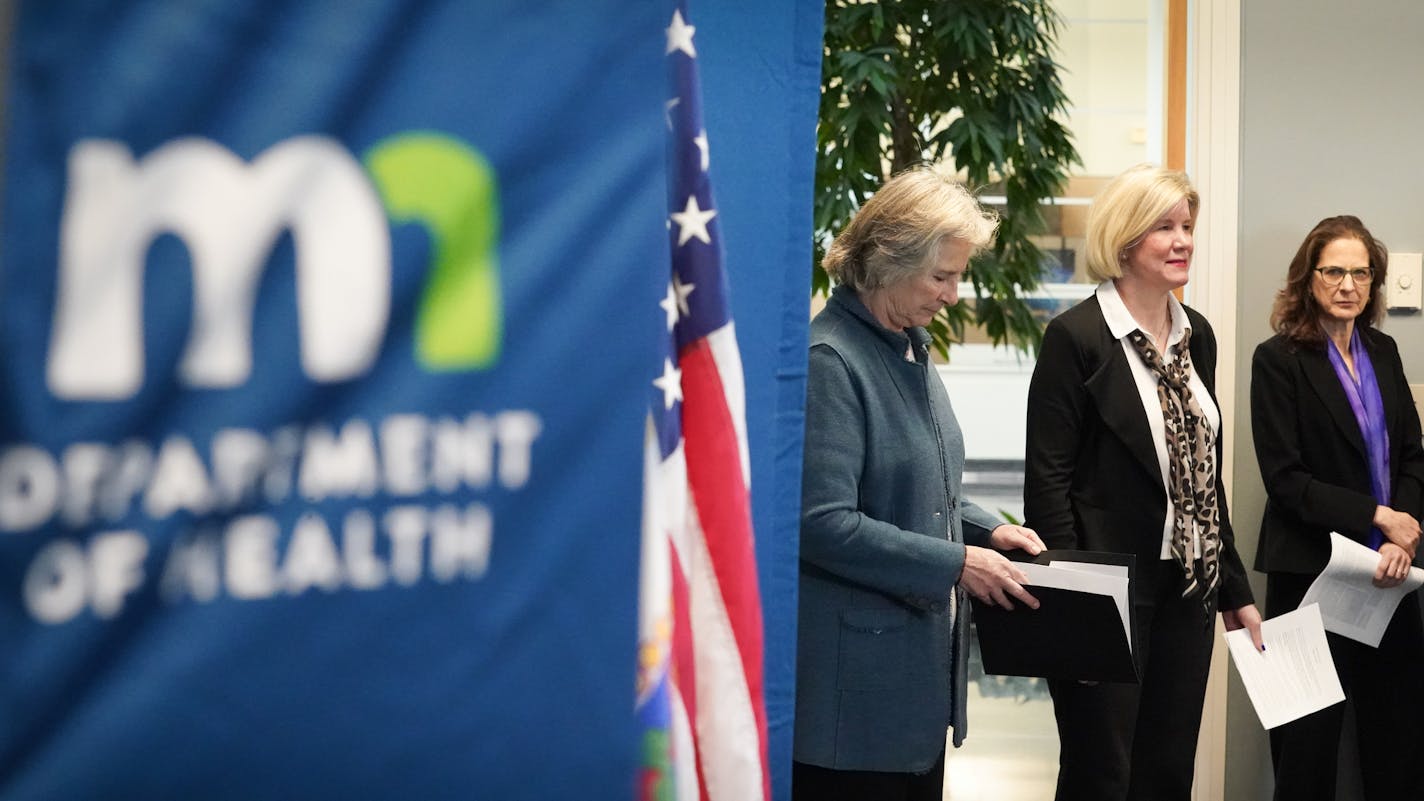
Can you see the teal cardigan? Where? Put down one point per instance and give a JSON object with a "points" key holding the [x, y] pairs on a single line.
{"points": [[881, 651]]}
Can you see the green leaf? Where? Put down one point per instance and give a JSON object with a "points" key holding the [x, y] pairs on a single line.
{"points": [[892, 71]]}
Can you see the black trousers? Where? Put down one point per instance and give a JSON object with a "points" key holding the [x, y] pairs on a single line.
{"points": [[1386, 686], [813, 783], [1139, 741]]}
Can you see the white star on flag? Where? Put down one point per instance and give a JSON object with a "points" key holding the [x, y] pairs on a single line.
{"points": [[682, 290], [670, 305], [701, 141], [670, 382], [692, 221], [679, 35]]}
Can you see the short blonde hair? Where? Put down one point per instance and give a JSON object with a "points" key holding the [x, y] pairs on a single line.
{"points": [[1126, 208], [897, 233]]}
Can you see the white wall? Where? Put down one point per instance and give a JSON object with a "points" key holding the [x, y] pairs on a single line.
{"points": [[1332, 116]]}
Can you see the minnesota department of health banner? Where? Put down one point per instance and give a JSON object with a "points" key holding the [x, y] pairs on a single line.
{"points": [[325, 338]]}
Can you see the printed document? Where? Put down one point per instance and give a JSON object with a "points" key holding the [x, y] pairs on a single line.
{"points": [[1350, 604], [1294, 676]]}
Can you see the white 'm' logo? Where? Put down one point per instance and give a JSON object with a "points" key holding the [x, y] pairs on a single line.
{"points": [[229, 214]]}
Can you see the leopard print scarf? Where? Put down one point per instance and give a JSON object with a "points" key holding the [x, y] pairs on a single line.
{"points": [[1191, 468]]}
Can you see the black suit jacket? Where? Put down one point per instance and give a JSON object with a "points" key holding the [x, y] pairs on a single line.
{"points": [[1312, 454], [1091, 476]]}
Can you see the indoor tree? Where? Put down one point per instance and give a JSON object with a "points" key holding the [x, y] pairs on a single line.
{"points": [[970, 81]]}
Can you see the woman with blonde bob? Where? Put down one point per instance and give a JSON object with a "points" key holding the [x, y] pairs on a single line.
{"points": [[1124, 455], [889, 545]]}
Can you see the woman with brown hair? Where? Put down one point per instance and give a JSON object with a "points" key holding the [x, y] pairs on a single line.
{"points": [[1338, 443]]}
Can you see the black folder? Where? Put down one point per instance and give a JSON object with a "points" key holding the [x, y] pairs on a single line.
{"points": [[1072, 635]]}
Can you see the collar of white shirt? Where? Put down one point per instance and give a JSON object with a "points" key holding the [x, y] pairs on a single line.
{"points": [[1121, 323]]}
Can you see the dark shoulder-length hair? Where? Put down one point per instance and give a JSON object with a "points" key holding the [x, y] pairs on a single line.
{"points": [[1296, 315]]}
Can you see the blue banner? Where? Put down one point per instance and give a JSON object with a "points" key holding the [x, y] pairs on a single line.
{"points": [[325, 333], [761, 78]]}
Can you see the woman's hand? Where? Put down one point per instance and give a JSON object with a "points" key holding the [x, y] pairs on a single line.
{"points": [[993, 579], [1399, 528], [1248, 618], [1393, 566], [1009, 537]]}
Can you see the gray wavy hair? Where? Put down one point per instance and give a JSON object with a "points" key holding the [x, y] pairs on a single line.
{"points": [[896, 235]]}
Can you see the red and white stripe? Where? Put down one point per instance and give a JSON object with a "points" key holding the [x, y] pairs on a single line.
{"points": [[717, 629]]}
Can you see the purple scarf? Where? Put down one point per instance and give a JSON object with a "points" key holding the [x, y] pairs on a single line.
{"points": [[1369, 415]]}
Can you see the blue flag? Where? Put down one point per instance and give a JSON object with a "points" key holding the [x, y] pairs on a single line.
{"points": [[324, 343]]}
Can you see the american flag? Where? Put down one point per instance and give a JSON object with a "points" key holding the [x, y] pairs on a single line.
{"points": [[700, 662]]}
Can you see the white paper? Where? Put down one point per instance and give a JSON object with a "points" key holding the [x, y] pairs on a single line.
{"points": [[1120, 571], [1294, 676], [1098, 582], [1350, 604]]}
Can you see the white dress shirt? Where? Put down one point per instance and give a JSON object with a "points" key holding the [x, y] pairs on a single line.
{"points": [[1120, 324]]}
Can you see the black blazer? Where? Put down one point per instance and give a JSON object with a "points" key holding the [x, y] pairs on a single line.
{"points": [[1091, 476], [1312, 455]]}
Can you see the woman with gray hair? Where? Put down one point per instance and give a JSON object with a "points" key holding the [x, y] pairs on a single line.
{"points": [[888, 543]]}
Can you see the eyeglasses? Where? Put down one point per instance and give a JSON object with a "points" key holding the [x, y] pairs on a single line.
{"points": [[1332, 276]]}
